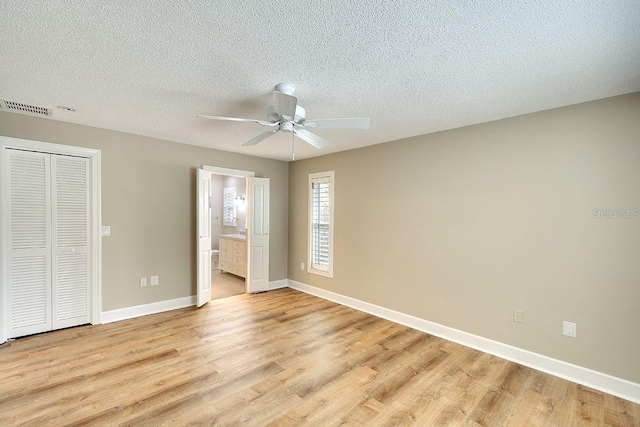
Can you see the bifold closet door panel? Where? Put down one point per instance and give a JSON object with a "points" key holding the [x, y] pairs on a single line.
{"points": [[29, 247], [70, 235]]}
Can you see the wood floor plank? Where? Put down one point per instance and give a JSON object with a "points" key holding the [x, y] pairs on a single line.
{"points": [[281, 358]]}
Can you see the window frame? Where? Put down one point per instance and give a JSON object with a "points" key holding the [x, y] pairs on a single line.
{"points": [[330, 176]]}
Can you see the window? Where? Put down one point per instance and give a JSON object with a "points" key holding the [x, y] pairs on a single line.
{"points": [[229, 217], [321, 223]]}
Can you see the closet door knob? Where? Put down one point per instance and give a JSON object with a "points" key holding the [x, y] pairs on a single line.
{"points": [[72, 250]]}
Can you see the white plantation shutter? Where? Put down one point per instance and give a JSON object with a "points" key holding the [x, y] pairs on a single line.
{"points": [[30, 243], [321, 223], [70, 240], [229, 207]]}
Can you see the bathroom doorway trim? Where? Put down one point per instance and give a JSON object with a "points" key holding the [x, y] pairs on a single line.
{"points": [[203, 235]]}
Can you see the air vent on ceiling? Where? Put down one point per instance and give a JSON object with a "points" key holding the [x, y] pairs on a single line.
{"points": [[19, 107]]}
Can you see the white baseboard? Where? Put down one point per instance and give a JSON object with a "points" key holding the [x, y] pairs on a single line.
{"points": [[159, 307], [145, 309], [278, 284], [600, 381]]}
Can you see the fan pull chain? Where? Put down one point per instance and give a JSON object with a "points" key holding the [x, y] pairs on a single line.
{"points": [[293, 145]]}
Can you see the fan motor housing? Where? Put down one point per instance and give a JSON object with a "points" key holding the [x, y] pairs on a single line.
{"points": [[286, 88], [286, 127], [274, 117]]}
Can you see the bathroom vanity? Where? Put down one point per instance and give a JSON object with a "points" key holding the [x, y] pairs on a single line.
{"points": [[233, 254]]}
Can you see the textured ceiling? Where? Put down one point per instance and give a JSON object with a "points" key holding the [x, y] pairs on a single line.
{"points": [[148, 67]]}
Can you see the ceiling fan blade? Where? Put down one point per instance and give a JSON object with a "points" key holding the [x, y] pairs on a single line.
{"points": [[285, 104], [232, 119], [338, 124], [259, 138], [311, 138], [237, 119]]}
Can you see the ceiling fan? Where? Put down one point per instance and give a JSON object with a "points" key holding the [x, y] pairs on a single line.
{"points": [[284, 114]]}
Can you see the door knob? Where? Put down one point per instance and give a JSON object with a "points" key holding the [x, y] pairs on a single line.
{"points": [[72, 250]]}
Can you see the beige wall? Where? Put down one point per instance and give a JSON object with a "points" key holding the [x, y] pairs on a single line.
{"points": [[462, 227], [148, 199]]}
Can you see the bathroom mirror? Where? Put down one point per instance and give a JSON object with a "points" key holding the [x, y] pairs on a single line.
{"points": [[229, 216]]}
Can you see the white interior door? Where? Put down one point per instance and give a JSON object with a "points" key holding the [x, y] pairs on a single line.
{"points": [[49, 223], [50, 244], [70, 240], [258, 235], [203, 189], [29, 242]]}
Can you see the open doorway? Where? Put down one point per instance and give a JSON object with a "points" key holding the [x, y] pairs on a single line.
{"points": [[224, 285], [256, 238], [228, 235]]}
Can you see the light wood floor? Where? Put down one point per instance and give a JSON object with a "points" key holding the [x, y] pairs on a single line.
{"points": [[224, 285], [280, 358]]}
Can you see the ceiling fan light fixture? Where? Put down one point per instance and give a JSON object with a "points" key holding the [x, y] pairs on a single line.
{"points": [[274, 117], [272, 114], [300, 115], [286, 127]]}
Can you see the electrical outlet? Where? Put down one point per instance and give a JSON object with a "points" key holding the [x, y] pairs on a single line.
{"points": [[143, 282], [569, 329], [154, 280], [518, 316], [302, 266]]}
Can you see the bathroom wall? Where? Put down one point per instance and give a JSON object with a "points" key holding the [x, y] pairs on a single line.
{"points": [[241, 208]]}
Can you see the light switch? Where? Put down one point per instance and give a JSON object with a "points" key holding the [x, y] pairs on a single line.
{"points": [[106, 230]]}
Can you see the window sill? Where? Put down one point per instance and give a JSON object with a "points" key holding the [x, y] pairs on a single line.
{"points": [[328, 274]]}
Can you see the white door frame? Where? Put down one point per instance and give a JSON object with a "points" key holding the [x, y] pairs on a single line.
{"points": [[231, 172], [203, 229], [94, 157]]}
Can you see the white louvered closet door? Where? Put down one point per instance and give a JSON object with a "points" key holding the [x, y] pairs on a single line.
{"points": [[70, 235], [29, 290], [49, 240]]}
